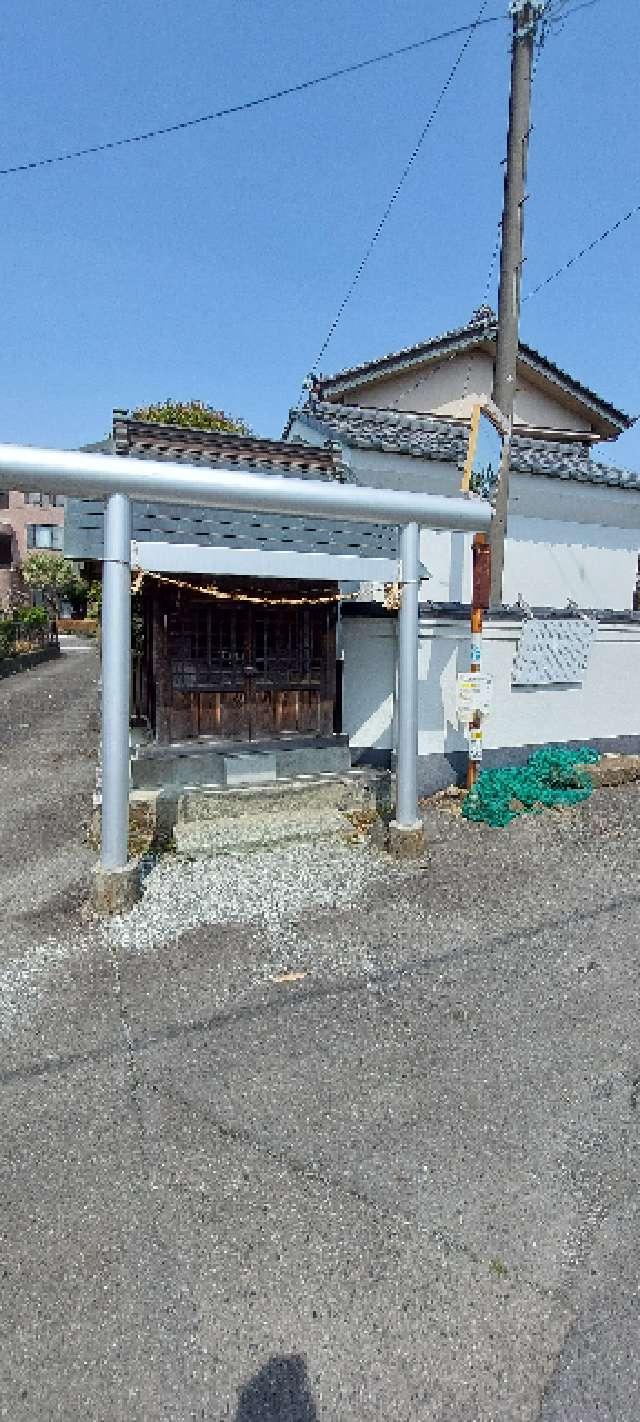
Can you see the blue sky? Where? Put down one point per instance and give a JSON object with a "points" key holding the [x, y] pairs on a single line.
{"points": [[211, 263]]}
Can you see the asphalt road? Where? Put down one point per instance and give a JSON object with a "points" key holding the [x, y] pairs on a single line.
{"points": [[403, 1185]]}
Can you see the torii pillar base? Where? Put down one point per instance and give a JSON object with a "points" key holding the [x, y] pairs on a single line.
{"points": [[406, 841], [115, 890]]}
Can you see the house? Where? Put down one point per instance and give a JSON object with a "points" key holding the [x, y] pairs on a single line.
{"points": [[573, 532], [28, 522], [572, 544]]}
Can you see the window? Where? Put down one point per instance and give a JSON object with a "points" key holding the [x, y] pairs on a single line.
{"points": [[4, 500], [45, 501], [44, 535], [5, 550]]}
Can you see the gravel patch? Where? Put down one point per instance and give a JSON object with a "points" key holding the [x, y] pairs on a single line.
{"points": [[272, 890]]}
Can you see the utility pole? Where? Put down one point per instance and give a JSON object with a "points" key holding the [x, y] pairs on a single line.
{"points": [[525, 16]]}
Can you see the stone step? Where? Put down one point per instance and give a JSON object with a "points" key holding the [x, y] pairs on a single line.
{"points": [[302, 794], [204, 840], [208, 819], [211, 820]]}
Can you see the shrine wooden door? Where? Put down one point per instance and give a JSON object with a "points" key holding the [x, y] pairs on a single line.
{"points": [[241, 671]]}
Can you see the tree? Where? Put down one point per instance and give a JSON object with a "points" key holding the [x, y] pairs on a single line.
{"points": [[55, 577], [193, 414]]}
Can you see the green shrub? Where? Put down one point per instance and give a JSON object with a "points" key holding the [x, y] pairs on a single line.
{"points": [[191, 414], [31, 616], [94, 599], [55, 577], [7, 636]]}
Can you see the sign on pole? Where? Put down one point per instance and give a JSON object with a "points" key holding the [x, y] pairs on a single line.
{"points": [[473, 695]]}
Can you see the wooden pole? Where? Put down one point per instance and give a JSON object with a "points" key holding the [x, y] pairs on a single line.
{"points": [[476, 634], [481, 587], [526, 14]]}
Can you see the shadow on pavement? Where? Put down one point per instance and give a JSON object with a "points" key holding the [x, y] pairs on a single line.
{"points": [[279, 1392]]}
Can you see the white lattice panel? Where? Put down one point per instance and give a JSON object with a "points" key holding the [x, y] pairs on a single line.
{"points": [[553, 650]]}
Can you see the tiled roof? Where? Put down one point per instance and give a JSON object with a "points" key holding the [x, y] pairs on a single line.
{"points": [[564, 461], [427, 437], [220, 528], [480, 331], [144, 439], [484, 327], [394, 431]]}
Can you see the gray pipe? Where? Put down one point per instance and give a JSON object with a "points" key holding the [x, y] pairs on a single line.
{"points": [[116, 662], [149, 480], [407, 754]]}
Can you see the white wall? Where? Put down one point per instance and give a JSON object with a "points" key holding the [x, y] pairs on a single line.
{"points": [[605, 706], [369, 646], [551, 561], [566, 540], [548, 562], [447, 557], [437, 390]]}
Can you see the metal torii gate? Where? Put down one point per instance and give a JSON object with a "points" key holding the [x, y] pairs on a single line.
{"points": [[119, 481]]}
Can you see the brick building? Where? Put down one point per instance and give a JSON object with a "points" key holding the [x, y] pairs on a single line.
{"points": [[28, 523]]}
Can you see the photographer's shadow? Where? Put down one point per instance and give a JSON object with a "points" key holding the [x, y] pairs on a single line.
{"points": [[279, 1392]]}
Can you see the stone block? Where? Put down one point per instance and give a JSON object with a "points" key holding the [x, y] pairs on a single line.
{"points": [[406, 841], [152, 816], [614, 770], [247, 769], [304, 796], [115, 890]]}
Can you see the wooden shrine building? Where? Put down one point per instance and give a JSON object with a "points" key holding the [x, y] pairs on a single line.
{"points": [[235, 614]]}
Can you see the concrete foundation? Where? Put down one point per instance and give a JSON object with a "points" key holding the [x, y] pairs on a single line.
{"points": [[202, 762], [115, 890], [247, 769], [405, 841]]}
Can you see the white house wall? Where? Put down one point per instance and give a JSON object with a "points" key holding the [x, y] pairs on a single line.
{"points": [[604, 707], [548, 562], [551, 562], [436, 390], [447, 557], [566, 541]]}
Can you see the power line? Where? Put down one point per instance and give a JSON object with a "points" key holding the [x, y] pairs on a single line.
{"points": [[179, 127], [556, 11], [554, 17], [577, 256], [396, 192]]}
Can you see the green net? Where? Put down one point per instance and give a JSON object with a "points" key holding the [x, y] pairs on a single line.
{"points": [[552, 776]]}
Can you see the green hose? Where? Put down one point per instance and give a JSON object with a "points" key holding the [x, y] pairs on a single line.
{"points": [[552, 776]]}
